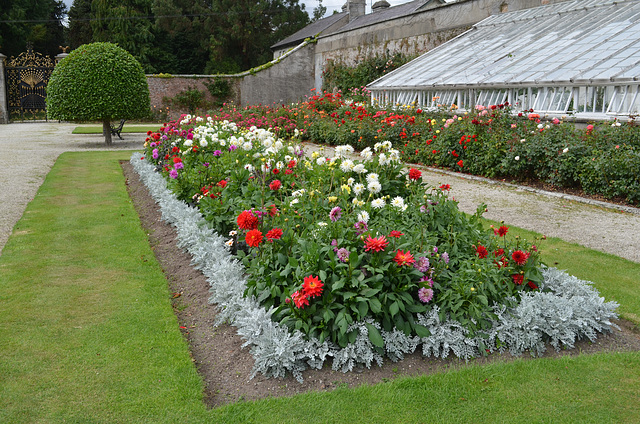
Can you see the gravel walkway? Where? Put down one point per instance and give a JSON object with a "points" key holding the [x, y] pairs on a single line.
{"points": [[28, 151]]}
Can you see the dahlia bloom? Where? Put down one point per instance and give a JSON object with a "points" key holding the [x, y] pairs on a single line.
{"points": [[377, 244]]}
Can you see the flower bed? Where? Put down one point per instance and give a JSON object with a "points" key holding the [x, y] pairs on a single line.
{"points": [[602, 158], [352, 258]]}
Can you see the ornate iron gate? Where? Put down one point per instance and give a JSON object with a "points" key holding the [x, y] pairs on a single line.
{"points": [[26, 77]]}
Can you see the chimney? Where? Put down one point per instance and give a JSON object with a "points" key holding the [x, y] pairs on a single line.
{"points": [[380, 5], [355, 8]]}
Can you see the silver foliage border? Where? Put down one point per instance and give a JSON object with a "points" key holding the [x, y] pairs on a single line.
{"points": [[572, 310]]}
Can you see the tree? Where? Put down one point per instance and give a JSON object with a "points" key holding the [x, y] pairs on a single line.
{"points": [[127, 23], [80, 31], [38, 22], [98, 81], [319, 11], [246, 29]]}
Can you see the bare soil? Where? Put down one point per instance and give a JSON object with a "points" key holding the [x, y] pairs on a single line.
{"points": [[226, 368]]}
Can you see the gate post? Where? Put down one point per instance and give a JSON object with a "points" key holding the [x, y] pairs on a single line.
{"points": [[4, 111]]}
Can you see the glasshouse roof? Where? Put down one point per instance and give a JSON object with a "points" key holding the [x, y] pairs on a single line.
{"points": [[556, 49]]}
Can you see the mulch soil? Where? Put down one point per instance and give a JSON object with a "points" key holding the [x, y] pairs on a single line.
{"points": [[226, 367]]}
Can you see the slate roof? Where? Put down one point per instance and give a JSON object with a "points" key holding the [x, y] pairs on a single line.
{"points": [[571, 43], [310, 30], [392, 12]]}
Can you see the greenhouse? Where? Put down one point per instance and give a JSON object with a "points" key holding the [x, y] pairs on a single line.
{"points": [[580, 58]]}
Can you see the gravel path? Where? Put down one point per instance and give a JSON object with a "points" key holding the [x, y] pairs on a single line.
{"points": [[28, 151]]}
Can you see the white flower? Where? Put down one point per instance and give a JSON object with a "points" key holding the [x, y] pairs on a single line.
{"points": [[204, 143], [565, 150], [344, 150], [233, 233], [357, 202], [346, 165], [540, 126], [359, 169], [374, 187], [278, 145], [382, 159], [322, 224], [321, 161], [247, 146], [398, 202], [358, 189], [522, 140], [280, 165], [366, 154], [199, 119], [249, 167], [363, 216], [517, 158], [293, 202], [350, 181], [394, 155], [229, 243], [378, 203], [267, 143], [299, 193], [372, 177], [188, 143]]}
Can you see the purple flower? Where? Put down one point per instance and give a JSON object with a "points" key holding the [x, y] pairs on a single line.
{"points": [[217, 153], [445, 257], [435, 249], [334, 242], [155, 153], [361, 227], [335, 214], [422, 264], [424, 209], [153, 144], [206, 164], [164, 137], [232, 147], [178, 165], [427, 280], [425, 295], [173, 174], [189, 136], [343, 254]]}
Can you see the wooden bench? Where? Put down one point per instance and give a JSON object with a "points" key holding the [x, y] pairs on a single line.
{"points": [[118, 129]]}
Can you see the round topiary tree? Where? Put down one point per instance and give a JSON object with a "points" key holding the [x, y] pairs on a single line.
{"points": [[98, 81]]}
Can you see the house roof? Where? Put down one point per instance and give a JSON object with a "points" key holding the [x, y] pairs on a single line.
{"points": [[386, 14], [572, 43], [310, 30]]}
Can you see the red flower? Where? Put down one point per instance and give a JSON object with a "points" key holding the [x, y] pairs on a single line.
{"points": [[445, 187], [288, 172], [481, 251], [275, 185], [291, 164], [501, 231], [395, 234], [254, 238], [274, 234], [299, 299], [276, 171], [460, 163], [273, 211], [518, 279], [222, 183], [312, 286], [404, 258], [176, 159], [532, 285], [519, 257], [376, 244], [247, 221], [414, 174]]}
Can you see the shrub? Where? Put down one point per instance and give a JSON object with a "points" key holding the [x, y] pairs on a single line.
{"points": [[98, 81]]}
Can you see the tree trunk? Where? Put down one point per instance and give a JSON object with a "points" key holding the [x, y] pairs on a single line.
{"points": [[106, 131]]}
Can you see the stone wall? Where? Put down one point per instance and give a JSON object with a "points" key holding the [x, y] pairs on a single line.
{"points": [[164, 87], [4, 107], [413, 34]]}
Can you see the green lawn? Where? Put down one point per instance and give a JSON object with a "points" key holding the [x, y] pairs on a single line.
{"points": [[127, 128], [88, 335]]}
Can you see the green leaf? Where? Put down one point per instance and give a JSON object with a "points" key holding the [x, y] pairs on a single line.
{"points": [[363, 309], [323, 275], [375, 305], [394, 308], [422, 331], [374, 335]]}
